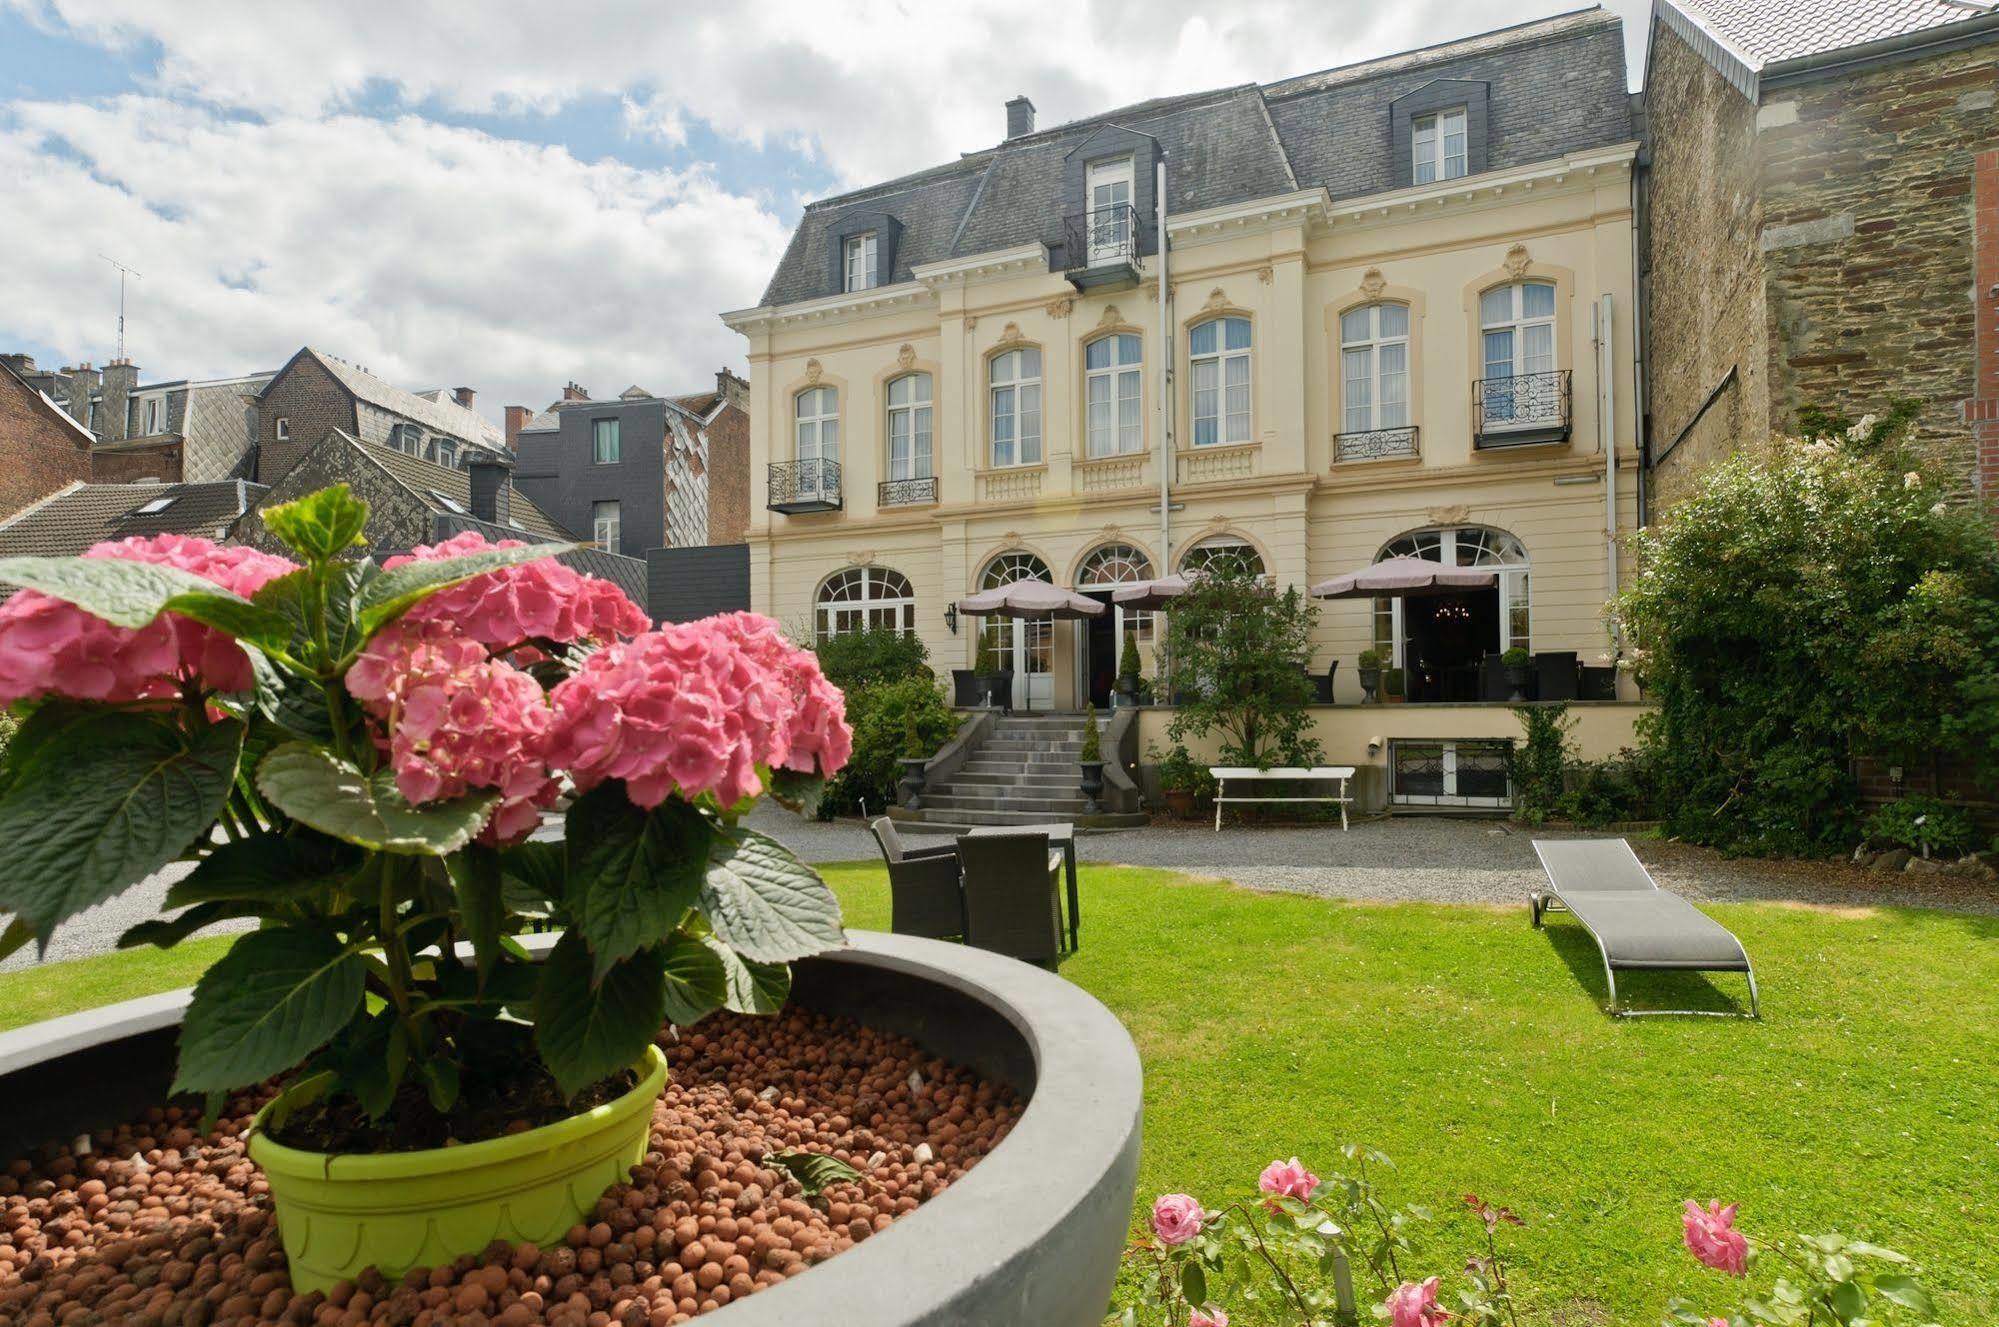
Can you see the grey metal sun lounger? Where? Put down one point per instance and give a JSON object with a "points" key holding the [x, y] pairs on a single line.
{"points": [[1636, 924]]}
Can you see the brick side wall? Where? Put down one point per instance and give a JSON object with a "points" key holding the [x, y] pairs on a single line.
{"points": [[38, 452], [130, 467], [1867, 214], [1704, 279], [1981, 410], [313, 401], [729, 476]]}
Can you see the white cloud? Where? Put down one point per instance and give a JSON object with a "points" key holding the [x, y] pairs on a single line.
{"points": [[435, 255]]}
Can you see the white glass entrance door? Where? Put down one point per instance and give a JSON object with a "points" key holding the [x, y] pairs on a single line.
{"points": [[1028, 648], [1110, 209]]}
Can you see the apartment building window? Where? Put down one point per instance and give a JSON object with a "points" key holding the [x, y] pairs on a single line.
{"points": [[447, 454], [604, 525], [1218, 353], [818, 437], [1223, 552], [861, 273], [1016, 407], [1114, 393], [153, 416], [604, 441], [284, 428], [1517, 329], [909, 427], [1374, 358], [1438, 142], [865, 599]]}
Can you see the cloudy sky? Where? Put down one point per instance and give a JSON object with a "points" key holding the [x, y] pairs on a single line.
{"points": [[508, 194]]}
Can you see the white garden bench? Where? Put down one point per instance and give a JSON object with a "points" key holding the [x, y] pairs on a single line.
{"points": [[1226, 774]]}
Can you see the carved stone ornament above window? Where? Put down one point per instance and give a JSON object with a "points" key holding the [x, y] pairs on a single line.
{"points": [[1266, 275], [813, 371], [905, 356], [1457, 515], [1010, 336], [1372, 283], [1217, 299], [1060, 308], [864, 558], [1518, 261]]}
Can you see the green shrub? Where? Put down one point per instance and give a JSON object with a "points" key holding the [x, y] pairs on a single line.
{"points": [[1093, 747], [1605, 792], [1370, 658], [1237, 641], [1808, 604], [1926, 825], [1128, 659], [865, 658], [1393, 681], [1179, 773], [883, 717], [1537, 762], [986, 663], [1515, 658]]}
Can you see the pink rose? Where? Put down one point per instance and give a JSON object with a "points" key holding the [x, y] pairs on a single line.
{"points": [[1412, 1305], [1176, 1218], [1288, 1179], [1712, 1237], [1207, 1316]]}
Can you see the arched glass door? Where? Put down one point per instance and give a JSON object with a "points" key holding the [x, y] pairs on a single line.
{"points": [[1102, 638], [1028, 648], [1440, 643]]}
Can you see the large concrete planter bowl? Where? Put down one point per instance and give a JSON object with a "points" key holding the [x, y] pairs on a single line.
{"points": [[1031, 1235]]}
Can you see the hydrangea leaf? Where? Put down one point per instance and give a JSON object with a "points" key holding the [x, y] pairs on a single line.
{"points": [[766, 904], [319, 525], [587, 1031], [274, 998], [753, 988], [317, 788], [633, 874], [696, 984], [131, 594]]}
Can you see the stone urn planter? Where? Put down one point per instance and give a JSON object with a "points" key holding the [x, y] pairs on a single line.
{"points": [[1092, 784], [910, 788], [1033, 1233], [1518, 668]]}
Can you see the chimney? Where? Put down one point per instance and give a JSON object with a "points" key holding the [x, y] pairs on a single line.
{"points": [[22, 364], [491, 485], [1019, 117], [517, 418], [574, 392], [734, 390], [463, 395], [120, 377]]}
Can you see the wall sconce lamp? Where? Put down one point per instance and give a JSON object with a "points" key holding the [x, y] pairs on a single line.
{"points": [[951, 617]]}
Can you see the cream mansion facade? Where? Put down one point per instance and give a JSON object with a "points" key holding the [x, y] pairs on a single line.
{"points": [[1400, 320]]}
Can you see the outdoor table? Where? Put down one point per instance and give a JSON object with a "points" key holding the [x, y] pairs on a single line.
{"points": [[1062, 836]]}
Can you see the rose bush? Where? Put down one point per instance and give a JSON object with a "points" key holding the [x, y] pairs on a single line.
{"points": [[355, 757]]}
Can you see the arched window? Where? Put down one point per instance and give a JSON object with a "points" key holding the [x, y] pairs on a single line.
{"points": [[1218, 352], [1374, 359], [1461, 546], [818, 436], [1027, 648], [1110, 566], [1016, 407], [1114, 392], [1517, 330], [909, 427], [866, 599], [1010, 567], [1223, 551]]}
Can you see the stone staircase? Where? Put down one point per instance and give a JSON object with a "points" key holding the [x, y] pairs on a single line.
{"points": [[1024, 773]]}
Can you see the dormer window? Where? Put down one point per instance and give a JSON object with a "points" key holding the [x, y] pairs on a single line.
{"points": [[862, 273], [1438, 146]]}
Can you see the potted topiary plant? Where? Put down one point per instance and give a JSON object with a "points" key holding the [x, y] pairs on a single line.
{"points": [[1394, 685], [1519, 668], [1180, 781], [1128, 675], [355, 756], [915, 755], [1091, 758], [1370, 673], [986, 668]]}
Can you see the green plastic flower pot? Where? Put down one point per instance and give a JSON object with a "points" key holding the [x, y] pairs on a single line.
{"points": [[342, 1213]]}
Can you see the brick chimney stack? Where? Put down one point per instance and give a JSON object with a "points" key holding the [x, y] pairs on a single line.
{"points": [[517, 418], [1019, 117], [574, 392], [491, 484], [734, 390], [120, 377], [463, 395]]}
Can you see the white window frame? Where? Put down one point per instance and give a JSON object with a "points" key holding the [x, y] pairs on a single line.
{"points": [[1229, 427], [821, 425], [1370, 348], [1110, 232], [597, 436], [1431, 152], [858, 261], [1224, 546], [284, 428], [1007, 400], [450, 504], [152, 415], [1487, 547], [1120, 428], [1106, 568], [155, 506], [606, 527], [915, 419], [864, 599], [1499, 405]]}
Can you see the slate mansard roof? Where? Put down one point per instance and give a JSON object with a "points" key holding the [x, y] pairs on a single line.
{"points": [[1555, 86], [1750, 40]]}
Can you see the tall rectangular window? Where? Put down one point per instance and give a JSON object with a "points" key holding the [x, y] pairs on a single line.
{"points": [[1218, 353], [1374, 350], [861, 273], [604, 525], [1016, 408], [1113, 395], [1438, 144], [604, 441]]}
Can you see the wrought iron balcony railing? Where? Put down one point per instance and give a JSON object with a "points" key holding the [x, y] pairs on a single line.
{"points": [[804, 486], [1101, 247], [1525, 408], [906, 492], [1376, 444]]}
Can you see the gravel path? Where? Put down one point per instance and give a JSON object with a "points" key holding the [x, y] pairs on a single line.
{"points": [[1437, 859]]}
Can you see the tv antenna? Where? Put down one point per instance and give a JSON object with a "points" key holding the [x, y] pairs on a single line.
{"points": [[123, 272]]}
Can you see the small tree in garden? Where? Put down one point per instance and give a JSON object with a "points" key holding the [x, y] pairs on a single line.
{"points": [[857, 659], [354, 756], [1092, 748], [1128, 661], [884, 717], [1236, 643], [1538, 762], [1810, 603]]}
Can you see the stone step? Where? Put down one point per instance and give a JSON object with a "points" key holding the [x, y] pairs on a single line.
{"points": [[1037, 764], [1011, 778], [952, 801], [971, 817]]}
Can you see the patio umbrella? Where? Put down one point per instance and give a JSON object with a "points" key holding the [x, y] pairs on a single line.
{"points": [[1151, 594], [1405, 578], [1031, 600]]}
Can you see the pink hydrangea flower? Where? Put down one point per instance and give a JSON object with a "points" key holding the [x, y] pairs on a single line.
{"points": [[1207, 1316], [1288, 1178], [542, 599], [455, 719], [51, 647], [1712, 1237], [1176, 1218], [1414, 1305], [701, 707]]}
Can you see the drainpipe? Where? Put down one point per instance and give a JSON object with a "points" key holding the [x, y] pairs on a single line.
{"points": [[1606, 404], [1165, 377]]}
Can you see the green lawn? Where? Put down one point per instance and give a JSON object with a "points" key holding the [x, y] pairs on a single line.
{"points": [[1471, 1048]]}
